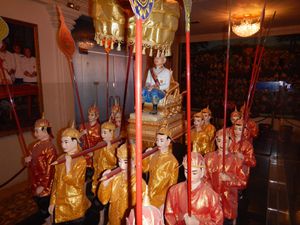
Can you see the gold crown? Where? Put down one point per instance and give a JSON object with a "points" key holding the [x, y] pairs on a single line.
{"points": [[196, 158], [123, 150], [198, 114], [108, 125], [93, 109], [239, 122], [235, 113], [42, 122], [71, 132], [206, 110], [220, 132], [243, 107], [165, 131]]}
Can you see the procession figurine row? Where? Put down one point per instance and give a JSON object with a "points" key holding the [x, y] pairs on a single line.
{"points": [[77, 189]]}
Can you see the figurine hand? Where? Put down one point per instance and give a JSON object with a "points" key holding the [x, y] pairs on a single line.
{"points": [[27, 159], [105, 173], [191, 220], [148, 149], [83, 132], [224, 177], [51, 209], [171, 72], [68, 163], [240, 155], [39, 190], [90, 154]]}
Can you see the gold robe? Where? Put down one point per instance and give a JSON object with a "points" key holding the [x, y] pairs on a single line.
{"points": [[43, 153], [68, 191], [121, 194], [200, 142], [103, 159], [210, 130], [163, 172]]}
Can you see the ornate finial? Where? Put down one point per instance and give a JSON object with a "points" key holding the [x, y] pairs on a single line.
{"points": [[187, 9], [73, 124]]}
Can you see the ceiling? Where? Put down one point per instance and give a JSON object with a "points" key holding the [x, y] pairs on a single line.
{"points": [[211, 16]]}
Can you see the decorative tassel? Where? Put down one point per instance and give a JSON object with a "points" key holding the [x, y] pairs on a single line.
{"points": [[112, 44], [144, 50], [151, 52], [106, 43], [119, 46], [101, 42], [133, 48]]}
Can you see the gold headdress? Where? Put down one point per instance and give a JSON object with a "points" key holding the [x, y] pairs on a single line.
{"points": [[108, 125], [42, 122], [165, 131], [206, 110], [198, 114], [71, 132], [235, 113], [94, 109], [123, 151]]}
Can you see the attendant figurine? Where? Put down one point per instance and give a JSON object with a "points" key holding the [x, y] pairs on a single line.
{"points": [[42, 154], [208, 127], [225, 179], [250, 125], [120, 190], [93, 129], [162, 167], [206, 205], [200, 140], [105, 158], [242, 147], [68, 202], [157, 83], [234, 116]]}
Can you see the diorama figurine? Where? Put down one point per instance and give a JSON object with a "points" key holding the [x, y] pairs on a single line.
{"points": [[42, 154], [208, 128], [242, 147], [157, 83], [92, 130], [104, 158], [206, 205], [120, 190], [225, 179], [162, 167], [200, 140], [68, 198], [234, 116]]}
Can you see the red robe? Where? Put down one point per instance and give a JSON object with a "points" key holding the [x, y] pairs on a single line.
{"points": [[43, 153], [228, 190], [93, 135], [206, 206]]}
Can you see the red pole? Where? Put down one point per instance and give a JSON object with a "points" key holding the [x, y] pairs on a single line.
{"points": [[138, 121], [107, 83], [188, 109], [226, 85], [20, 134]]}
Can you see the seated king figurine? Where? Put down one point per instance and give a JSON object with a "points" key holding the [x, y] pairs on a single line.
{"points": [[157, 83]]}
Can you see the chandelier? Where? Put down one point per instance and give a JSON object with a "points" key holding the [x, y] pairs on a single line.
{"points": [[245, 26], [86, 44]]}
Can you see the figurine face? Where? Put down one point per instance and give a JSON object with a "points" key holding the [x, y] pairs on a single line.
{"points": [[159, 61], [68, 144], [233, 119], [196, 174], [118, 120], [198, 122], [123, 164], [238, 129], [219, 142], [106, 134], [162, 141], [41, 134], [206, 117], [92, 117]]}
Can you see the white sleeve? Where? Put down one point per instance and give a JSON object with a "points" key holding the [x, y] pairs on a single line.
{"points": [[149, 79], [166, 77]]}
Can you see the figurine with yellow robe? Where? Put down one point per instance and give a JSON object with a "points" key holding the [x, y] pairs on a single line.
{"points": [[208, 127], [206, 205], [162, 167], [104, 158], [68, 202], [200, 140], [42, 154], [120, 190]]}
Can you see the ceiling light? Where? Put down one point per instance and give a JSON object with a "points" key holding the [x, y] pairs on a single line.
{"points": [[245, 26]]}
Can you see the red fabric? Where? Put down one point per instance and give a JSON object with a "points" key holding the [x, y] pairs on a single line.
{"points": [[205, 202], [228, 190]]}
